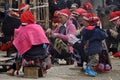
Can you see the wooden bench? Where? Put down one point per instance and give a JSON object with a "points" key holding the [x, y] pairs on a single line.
{"points": [[5, 63], [32, 72]]}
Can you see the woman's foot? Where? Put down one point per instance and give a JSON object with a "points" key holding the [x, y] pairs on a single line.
{"points": [[89, 71], [10, 72]]}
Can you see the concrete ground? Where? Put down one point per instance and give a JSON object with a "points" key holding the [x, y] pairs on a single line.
{"points": [[63, 72]]}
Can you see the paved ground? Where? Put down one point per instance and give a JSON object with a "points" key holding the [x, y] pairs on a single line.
{"points": [[63, 72]]}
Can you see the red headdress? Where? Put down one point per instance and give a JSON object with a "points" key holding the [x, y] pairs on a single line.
{"points": [[23, 7], [113, 16], [65, 12], [27, 17], [87, 5], [79, 11]]}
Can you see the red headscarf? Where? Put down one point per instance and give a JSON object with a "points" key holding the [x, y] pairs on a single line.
{"points": [[87, 5], [24, 7], [64, 12], [27, 17], [79, 11], [114, 16]]}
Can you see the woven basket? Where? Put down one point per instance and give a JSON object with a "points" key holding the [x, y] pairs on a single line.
{"points": [[59, 45]]}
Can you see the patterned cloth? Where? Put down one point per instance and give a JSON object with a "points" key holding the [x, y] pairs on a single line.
{"points": [[76, 56], [94, 59]]}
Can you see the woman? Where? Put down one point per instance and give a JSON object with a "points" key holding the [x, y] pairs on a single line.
{"points": [[62, 32], [31, 42], [92, 41], [115, 34]]}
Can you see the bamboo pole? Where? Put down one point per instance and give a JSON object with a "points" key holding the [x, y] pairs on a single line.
{"points": [[38, 13], [34, 11], [40, 10], [47, 16], [10, 3]]}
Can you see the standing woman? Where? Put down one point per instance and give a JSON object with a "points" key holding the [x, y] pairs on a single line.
{"points": [[92, 40]]}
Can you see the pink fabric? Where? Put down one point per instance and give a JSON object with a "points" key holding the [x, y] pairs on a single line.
{"points": [[26, 36], [88, 5], [70, 29]]}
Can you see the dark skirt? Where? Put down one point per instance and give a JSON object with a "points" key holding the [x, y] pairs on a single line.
{"points": [[37, 51]]}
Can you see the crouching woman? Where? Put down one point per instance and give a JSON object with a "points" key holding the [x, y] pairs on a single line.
{"points": [[31, 42]]}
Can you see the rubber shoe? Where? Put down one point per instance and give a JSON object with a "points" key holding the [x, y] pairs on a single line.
{"points": [[94, 72], [90, 72]]}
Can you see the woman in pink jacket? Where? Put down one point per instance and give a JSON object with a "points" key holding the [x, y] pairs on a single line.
{"points": [[31, 42], [64, 29]]}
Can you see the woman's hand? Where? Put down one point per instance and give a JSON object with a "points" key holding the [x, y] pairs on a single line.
{"points": [[54, 35]]}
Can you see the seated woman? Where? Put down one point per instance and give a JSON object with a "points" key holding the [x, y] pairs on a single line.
{"points": [[60, 35], [31, 41]]}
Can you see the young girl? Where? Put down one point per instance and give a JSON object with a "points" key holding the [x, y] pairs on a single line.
{"points": [[92, 40]]}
